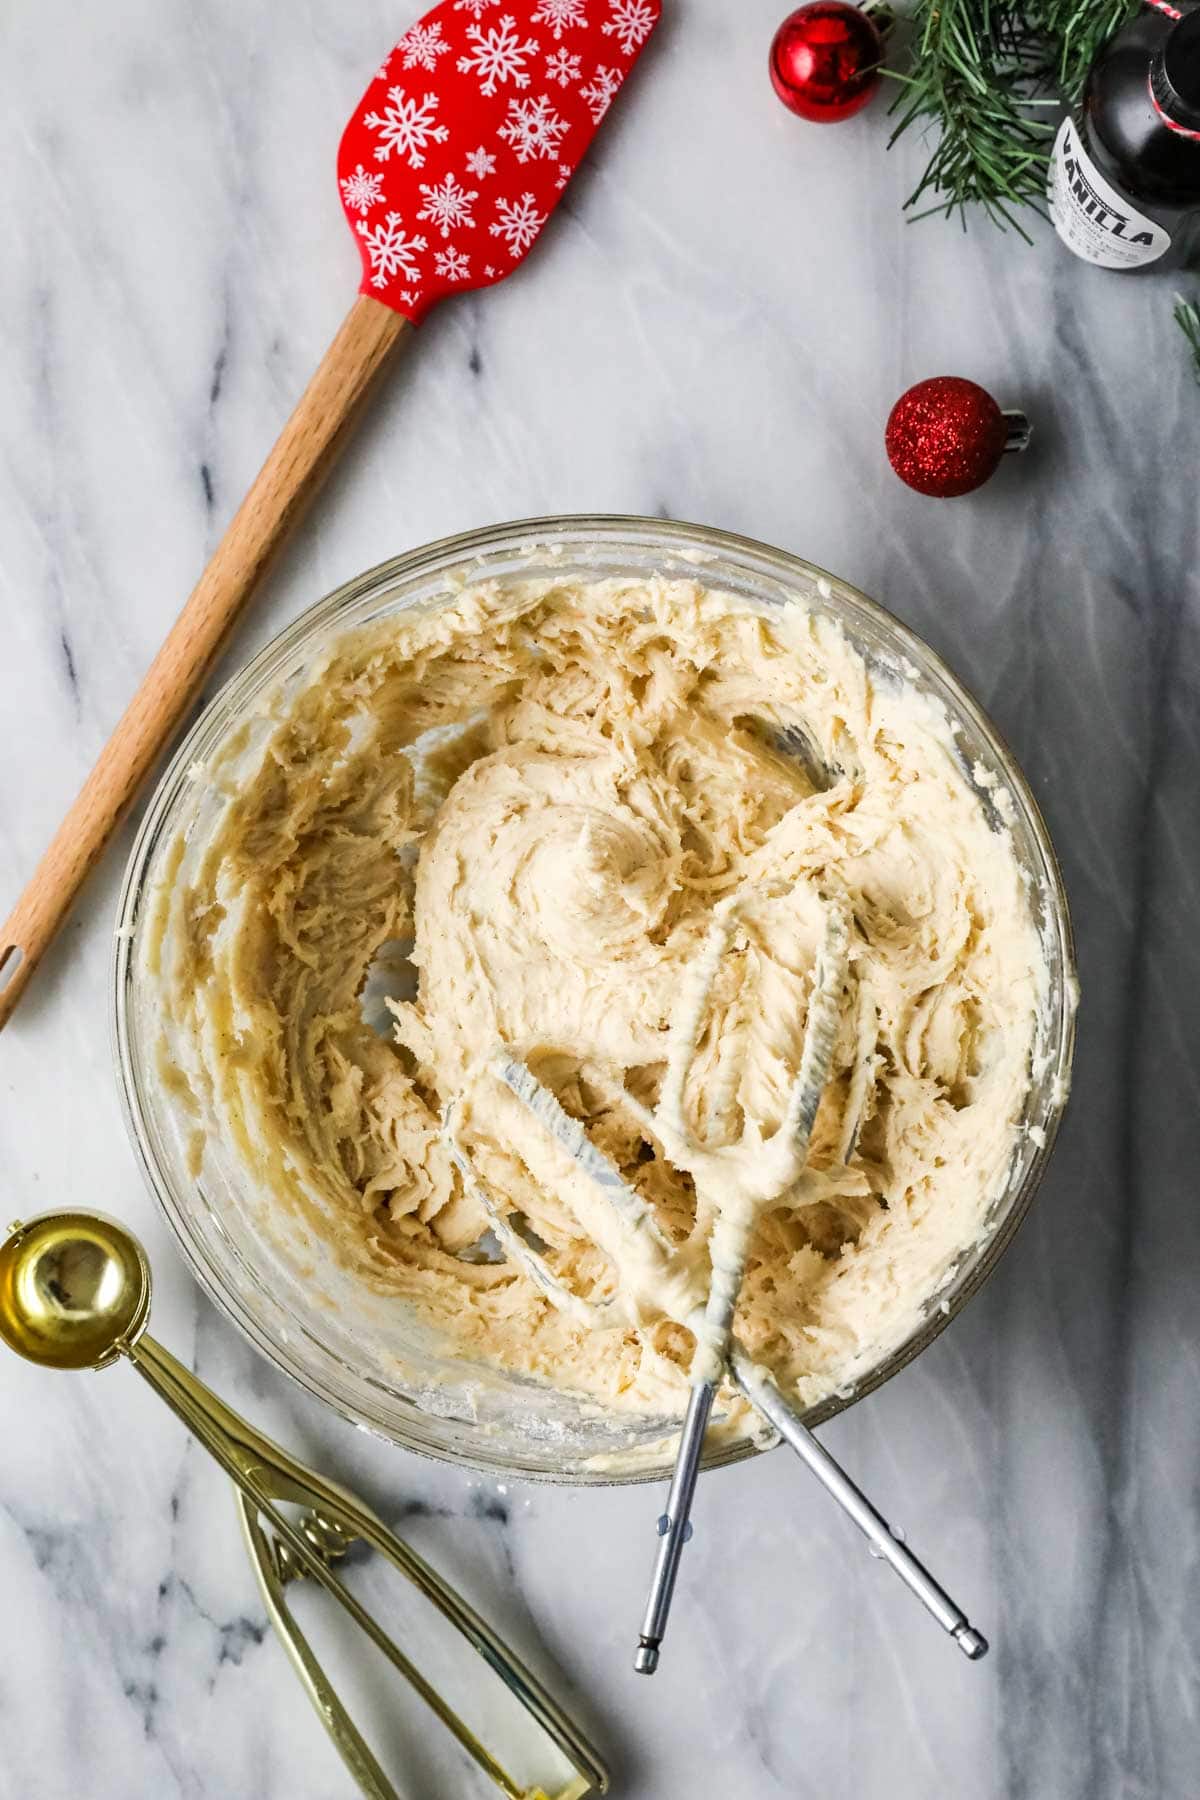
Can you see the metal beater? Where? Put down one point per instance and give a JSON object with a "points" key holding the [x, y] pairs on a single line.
{"points": [[739, 1180]]}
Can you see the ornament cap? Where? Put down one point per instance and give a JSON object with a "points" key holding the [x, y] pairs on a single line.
{"points": [[1017, 433]]}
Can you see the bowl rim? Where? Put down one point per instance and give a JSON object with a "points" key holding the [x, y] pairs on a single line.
{"points": [[451, 552]]}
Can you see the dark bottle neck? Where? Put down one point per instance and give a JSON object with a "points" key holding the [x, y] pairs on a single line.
{"points": [[1175, 75]]}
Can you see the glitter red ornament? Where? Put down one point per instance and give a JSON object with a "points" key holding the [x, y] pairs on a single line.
{"points": [[825, 60], [945, 436]]}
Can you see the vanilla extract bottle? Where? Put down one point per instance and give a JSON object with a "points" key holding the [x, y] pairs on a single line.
{"points": [[1124, 182]]}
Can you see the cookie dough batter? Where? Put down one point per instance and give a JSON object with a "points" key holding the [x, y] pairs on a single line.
{"points": [[522, 812]]}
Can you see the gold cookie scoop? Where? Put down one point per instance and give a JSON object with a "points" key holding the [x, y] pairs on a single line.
{"points": [[75, 1294]]}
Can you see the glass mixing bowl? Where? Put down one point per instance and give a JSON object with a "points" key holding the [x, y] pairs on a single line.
{"points": [[313, 1319]]}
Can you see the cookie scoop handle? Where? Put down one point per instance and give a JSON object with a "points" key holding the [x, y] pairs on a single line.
{"points": [[288, 478]]}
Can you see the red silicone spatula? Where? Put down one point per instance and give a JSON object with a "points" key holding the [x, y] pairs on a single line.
{"points": [[449, 169]]}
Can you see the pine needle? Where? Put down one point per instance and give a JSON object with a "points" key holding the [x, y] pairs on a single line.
{"points": [[1079, 28], [1187, 317]]}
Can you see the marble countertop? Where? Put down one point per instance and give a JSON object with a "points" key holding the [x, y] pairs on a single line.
{"points": [[714, 329]]}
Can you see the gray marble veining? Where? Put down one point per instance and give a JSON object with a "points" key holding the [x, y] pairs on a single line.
{"points": [[715, 328]]}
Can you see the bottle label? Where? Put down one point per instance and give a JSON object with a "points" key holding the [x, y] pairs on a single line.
{"points": [[1091, 217]]}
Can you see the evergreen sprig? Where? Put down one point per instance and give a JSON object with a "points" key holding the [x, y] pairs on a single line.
{"points": [[1077, 30], [988, 76], [1187, 317]]}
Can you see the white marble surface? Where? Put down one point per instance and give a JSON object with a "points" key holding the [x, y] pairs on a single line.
{"points": [[715, 328]]}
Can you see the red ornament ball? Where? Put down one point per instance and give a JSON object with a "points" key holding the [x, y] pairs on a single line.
{"points": [[825, 60], [945, 436]]}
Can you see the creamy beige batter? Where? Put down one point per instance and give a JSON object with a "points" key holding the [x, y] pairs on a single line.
{"points": [[545, 792]]}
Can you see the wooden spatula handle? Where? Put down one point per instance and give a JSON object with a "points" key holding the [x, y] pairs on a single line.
{"points": [[289, 476]]}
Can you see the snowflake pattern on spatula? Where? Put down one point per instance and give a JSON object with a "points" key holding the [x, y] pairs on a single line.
{"points": [[534, 129], [563, 68], [560, 15], [518, 223], [362, 189], [631, 23], [477, 119], [448, 205], [452, 265], [421, 47], [498, 54], [390, 250], [407, 126], [600, 90]]}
